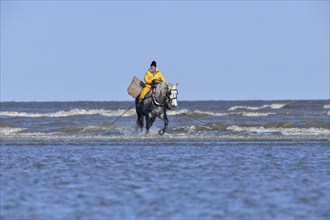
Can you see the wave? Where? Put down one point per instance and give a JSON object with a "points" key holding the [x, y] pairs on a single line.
{"points": [[103, 112], [257, 128], [272, 106], [256, 114], [194, 113], [73, 112], [283, 131], [91, 129], [151, 139], [118, 112], [271, 127], [286, 128], [200, 128], [217, 114], [317, 124], [9, 130], [82, 129], [189, 132], [3, 124], [326, 106]]}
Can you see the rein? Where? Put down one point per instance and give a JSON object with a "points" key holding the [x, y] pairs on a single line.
{"points": [[167, 99], [157, 103]]}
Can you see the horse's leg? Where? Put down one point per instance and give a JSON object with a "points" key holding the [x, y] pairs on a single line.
{"points": [[139, 122], [140, 119], [164, 117], [150, 118]]}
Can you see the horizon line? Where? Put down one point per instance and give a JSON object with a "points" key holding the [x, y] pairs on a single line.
{"points": [[198, 100]]}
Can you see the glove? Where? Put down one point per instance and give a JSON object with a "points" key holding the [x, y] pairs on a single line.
{"points": [[154, 82]]}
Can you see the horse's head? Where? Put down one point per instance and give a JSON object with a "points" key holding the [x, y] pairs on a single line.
{"points": [[165, 93], [172, 95]]}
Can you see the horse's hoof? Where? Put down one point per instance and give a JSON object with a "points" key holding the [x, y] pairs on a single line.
{"points": [[161, 132]]}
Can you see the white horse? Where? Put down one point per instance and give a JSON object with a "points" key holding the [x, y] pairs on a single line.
{"points": [[163, 96]]}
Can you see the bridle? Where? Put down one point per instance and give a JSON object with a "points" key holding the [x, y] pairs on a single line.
{"points": [[169, 93], [168, 99]]}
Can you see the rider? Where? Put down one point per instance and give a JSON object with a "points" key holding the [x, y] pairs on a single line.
{"points": [[151, 77]]}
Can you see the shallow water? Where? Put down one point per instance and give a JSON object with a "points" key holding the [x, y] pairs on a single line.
{"points": [[174, 180], [219, 159], [202, 119]]}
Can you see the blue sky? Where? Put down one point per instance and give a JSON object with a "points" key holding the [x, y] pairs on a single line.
{"points": [[215, 50]]}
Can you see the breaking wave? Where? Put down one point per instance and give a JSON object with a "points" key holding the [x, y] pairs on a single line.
{"points": [[200, 128], [326, 106], [190, 132], [9, 130], [272, 106], [79, 130], [103, 112], [194, 113], [271, 127], [131, 112], [73, 112], [85, 129], [283, 131], [256, 114], [285, 128], [217, 114]]}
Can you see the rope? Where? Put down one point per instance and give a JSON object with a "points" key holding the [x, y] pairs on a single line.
{"points": [[119, 117]]}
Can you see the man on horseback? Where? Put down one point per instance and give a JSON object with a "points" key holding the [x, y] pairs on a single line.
{"points": [[151, 77], [163, 97]]}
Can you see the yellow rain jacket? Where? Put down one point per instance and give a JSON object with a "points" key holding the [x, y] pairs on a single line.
{"points": [[148, 77]]}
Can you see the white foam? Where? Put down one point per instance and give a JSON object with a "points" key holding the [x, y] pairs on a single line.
{"points": [[256, 114], [277, 105], [151, 138], [131, 112], [272, 106], [177, 112], [284, 131], [209, 113], [326, 106], [91, 128], [9, 131], [243, 107], [189, 112], [72, 112]]}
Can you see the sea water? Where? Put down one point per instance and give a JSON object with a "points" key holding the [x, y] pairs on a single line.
{"points": [[219, 159]]}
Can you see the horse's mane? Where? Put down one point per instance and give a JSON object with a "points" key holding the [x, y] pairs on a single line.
{"points": [[170, 85]]}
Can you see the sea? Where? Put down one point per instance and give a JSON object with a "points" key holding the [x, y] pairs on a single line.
{"points": [[218, 160]]}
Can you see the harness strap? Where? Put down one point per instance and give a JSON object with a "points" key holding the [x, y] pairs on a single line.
{"points": [[157, 103], [153, 95], [176, 93]]}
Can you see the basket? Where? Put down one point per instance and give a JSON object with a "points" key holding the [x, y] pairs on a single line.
{"points": [[135, 88]]}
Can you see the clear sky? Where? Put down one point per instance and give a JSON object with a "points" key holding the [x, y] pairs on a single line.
{"points": [[215, 50]]}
